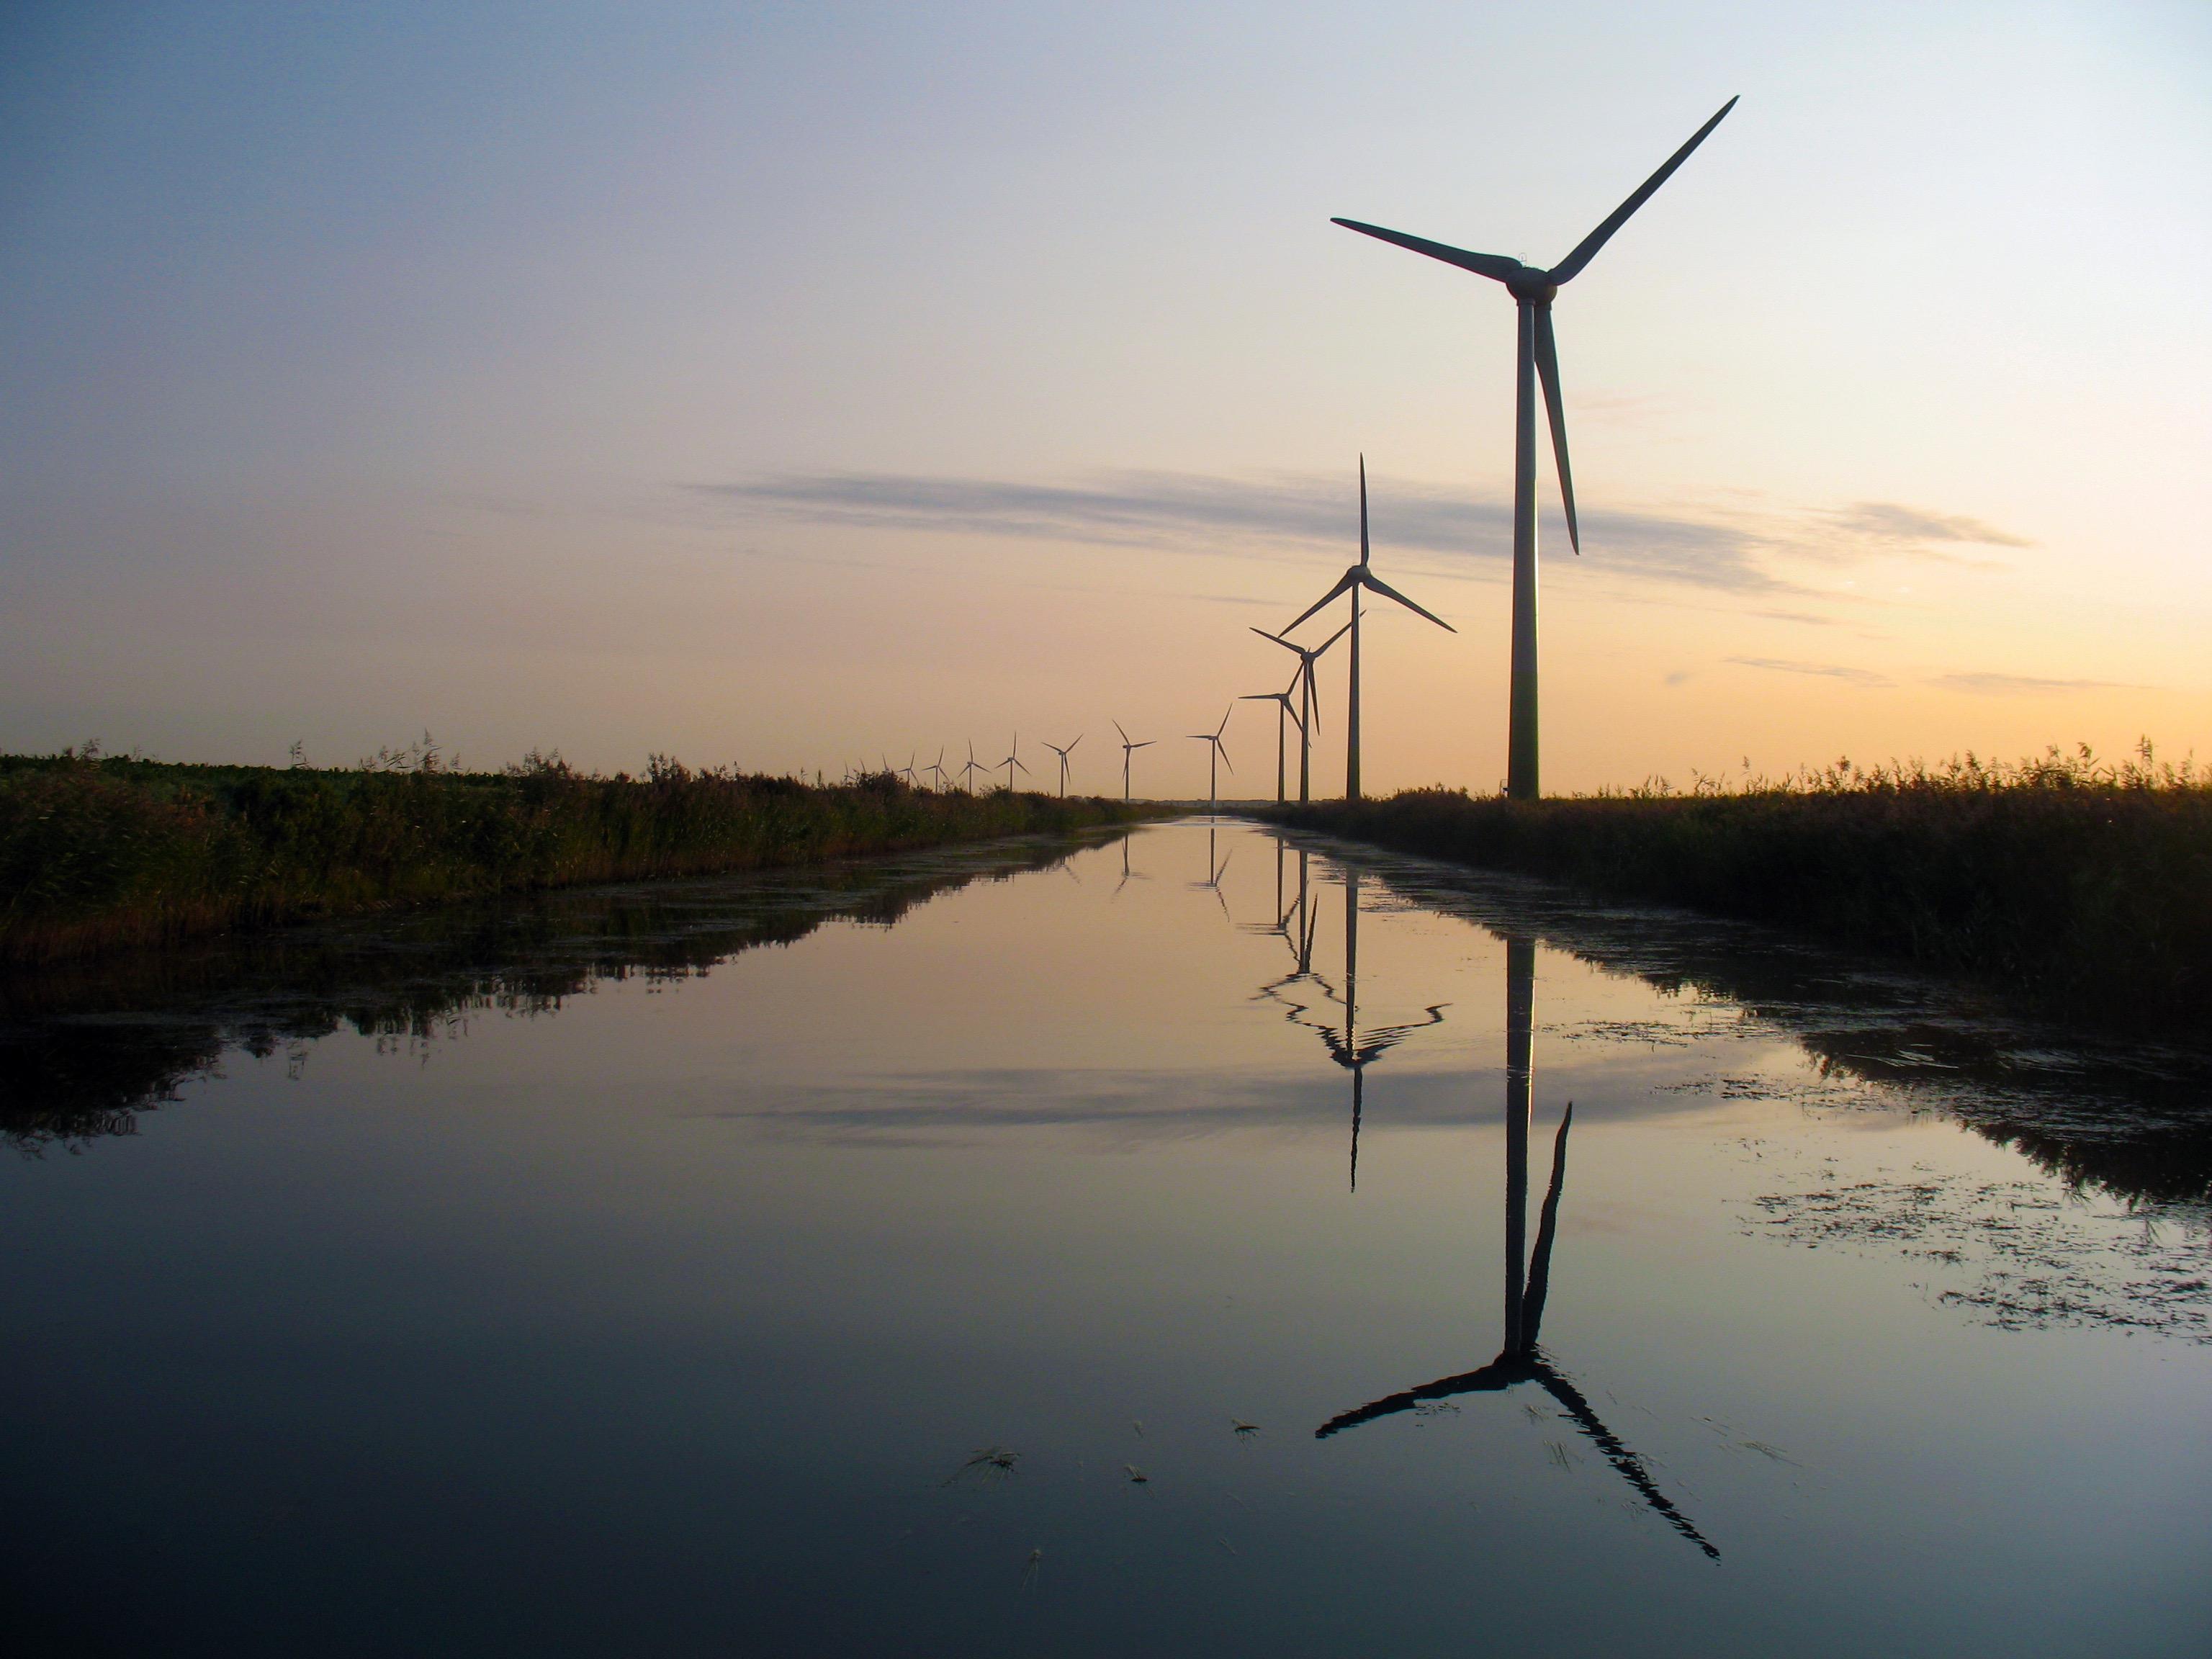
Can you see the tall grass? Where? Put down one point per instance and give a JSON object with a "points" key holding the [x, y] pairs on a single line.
{"points": [[2087, 884], [99, 853]]}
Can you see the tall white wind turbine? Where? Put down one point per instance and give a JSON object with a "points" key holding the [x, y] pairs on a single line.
{"points": [[1064, 754], [1533, 291], [1216, 756], [1127, 750], [1308, 699], [1350, 582]]}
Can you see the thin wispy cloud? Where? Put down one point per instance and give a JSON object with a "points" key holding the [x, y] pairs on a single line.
{"points": [[2026, 686], [1726, 550], [1830, 671], [1888, 524], [1240, 514]]}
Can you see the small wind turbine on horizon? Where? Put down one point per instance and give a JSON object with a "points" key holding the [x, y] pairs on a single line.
{"points": [[1064, 754], [1533, 292], [1216, 757], [1284, 713], [936, 770], [1308, 699], [1358, 576], [1127, 750], [1011, 762], [968, 772]]}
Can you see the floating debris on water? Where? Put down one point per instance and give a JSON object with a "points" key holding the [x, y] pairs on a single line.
{"points": [[990, 1463]]}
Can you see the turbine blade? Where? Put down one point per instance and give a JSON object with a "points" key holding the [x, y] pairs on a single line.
{"points": [[1548, 367], [1363, 511], [1125, 736], [1350, 579], [1277, 638], [1390, 593], [1495, 266], [1569, 268]]}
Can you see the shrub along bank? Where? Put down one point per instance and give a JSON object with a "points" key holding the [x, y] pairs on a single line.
{"points": [[2085, 886], [96, 853]]}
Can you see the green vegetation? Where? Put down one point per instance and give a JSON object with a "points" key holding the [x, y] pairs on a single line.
{"points": [[2084, 884], [98, 852]]}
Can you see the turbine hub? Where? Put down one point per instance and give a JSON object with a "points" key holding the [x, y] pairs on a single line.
{"points": [[1533, 287]]}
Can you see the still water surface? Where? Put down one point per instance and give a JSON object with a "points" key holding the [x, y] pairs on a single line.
{"points": [[1198, 1242]]}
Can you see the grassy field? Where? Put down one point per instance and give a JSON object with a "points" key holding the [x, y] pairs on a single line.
{"points": [[2084, 884], [96, 853]]}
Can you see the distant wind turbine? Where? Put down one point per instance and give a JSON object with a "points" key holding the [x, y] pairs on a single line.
{"points": [[1308, 699], [968, 772], [1358, 576], [1064, 754], [1533, 291], [1216, 757], [936, 770], [1127, 750], [1284, 715], [1011, 762]]}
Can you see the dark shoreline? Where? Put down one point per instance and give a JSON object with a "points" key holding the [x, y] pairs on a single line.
{"points": [[2090, 905], [98, 856]]}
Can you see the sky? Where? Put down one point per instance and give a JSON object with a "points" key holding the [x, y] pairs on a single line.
{"points": [[788, 387]]}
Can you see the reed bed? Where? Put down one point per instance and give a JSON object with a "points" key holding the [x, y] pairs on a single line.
{"points": [[2084, 884], [97, 853]]}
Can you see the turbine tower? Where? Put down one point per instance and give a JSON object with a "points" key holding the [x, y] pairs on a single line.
{"points": [[1285, 713], [1127, 750], [1350, 582], [1216, 756], [1064, 754], [1308, 699], [1533, 292]]}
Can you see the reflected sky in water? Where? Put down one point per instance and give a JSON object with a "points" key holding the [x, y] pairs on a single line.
{"points": [[1177, 1244]]}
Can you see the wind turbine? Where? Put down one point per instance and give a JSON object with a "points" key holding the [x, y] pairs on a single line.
{"points": [[1308, 699], [1011, 762], [1128, 749], [1216, 757], [1350, 582], [1284, 713], [912, 778], [1528, 1275], [936, 770], [968, 772], [1533, 291], [1064, 754], [1352, 1048]]}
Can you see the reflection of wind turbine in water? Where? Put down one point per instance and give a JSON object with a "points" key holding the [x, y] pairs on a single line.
{"points": [[1127, 750], [1064, 754], [1308, 699], [1349, 1049], [1213, 873], [1520, 1360], [1127, 874]]}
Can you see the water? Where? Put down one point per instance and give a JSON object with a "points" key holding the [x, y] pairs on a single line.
{"points": [[815, 1264]]}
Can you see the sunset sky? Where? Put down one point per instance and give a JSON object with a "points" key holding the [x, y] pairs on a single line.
{"points": [[785, 386]]}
